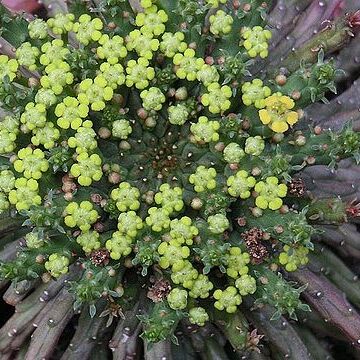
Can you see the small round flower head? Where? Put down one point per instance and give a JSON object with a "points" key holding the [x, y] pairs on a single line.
{"points": [[10, 123], [71, 113], [217, 98], [7, 141], [215, 3], [7, 181], [121, 129], [218, 223], [111, 49], [293, 257], [208, 74], [113, 74], [277, 113], [89, 241], [57, 265], [31, 163], [38, 29], [187, 65], [198, 316], [144, 44], [205, 130], [34, 240], [172, 43], [58, 76], [87, 169], [255, 93], [183, 273], [182, 231], [95, 92], [34, 116], [246, 285], [201, 287], [53, 52], [129, 223], [240, 184], [85, 138], [152, 98], [256, 41], [233, 153], [126, 197], [61, 23], [81, 215], [237, 262], [119, 245], [46, 136], [227, 299], [203, 179], [8, 67], [254, 145], [270, 193], [146, 3], [169, 198], [139, 73], [88, 29], [152, 21], [27, 55], [220, 23], [172, 253], [177, 299], [158, 219], [25, 194], [4, 203], [178, 114], [45, 97]]}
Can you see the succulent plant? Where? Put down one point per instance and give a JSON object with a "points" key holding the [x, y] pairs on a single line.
{"points": [[170, 174]]}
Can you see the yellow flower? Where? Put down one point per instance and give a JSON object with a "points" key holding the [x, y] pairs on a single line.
{"points": [[7, 68], [277, 113]]}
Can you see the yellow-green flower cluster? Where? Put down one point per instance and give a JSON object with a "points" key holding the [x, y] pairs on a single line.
{"points": [[178, 114], [34, 240], [111, 49], [177, 299], [57, 265], [71, 113], [217, 98], [88, 29], [152, 99], [84, 140], [182, 231], [34, 116], [270, 193], [293, 257], [240, 184], [129, 224], [38, 29], [218, 223], [172, 253], [121, 129], [158, 219], [89, 241], [215, 3], [126, 197], [27, 55], [81, 215], [203, 179], [254, 145], [152, 21], [227, 299], [139, 73], [233, 153], [87, 169], [119, 245], [205, 130], [144, 44], [31, 163], [7, 181], [198, 316], [187, 65], [58, 76], [53, 52], [255, 93], [256, 41], [208, 74], [113, 74], [220, 23], [25, 194], [61, 23], [172, 43], [170, 199], [95, 92], [46, 136], [237, 262], [8, 67], [278, 114]]}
